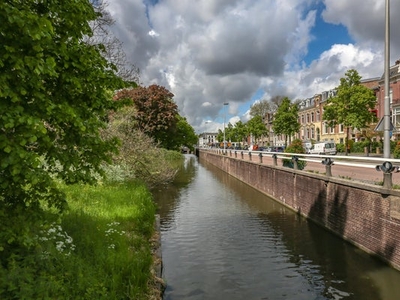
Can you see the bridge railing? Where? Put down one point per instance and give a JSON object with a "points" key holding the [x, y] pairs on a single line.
{"points": [[387, 166]]}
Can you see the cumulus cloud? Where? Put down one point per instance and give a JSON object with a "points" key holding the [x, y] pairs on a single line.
{"points": [[208, 52]]}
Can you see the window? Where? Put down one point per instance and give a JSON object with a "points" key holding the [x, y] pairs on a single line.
{"points": [[312, 117], [396, 117], [341, 128], [391, 95]]}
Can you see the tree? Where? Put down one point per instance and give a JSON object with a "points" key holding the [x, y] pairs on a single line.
{"points": [[185, 135], [256, 127], [286, 119], [261, 108], [112, 48], [56, 92], [351, 106], [241, 131], [155, 112], [138, 155]]}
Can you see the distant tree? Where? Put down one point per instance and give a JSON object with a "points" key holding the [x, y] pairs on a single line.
{"points": [[276, 101], [156, 112], [256, 127], [351, 106], [185, 135], [261, 108], [241, 131], [286, 119]]}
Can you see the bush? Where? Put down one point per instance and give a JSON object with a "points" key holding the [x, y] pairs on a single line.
{"points": [[295, 147], [396, 151], [138, 157]]}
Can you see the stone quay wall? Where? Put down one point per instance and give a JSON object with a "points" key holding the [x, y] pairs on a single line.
{"points": [[366, 215]]}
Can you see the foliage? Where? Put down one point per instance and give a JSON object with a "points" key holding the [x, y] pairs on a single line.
{"points": [[138, 157], [295, 147], [285, 119], [156, 113], [256, 127], [99, 250], [241, 132], [111, 45], [262, 108], [54, 98], [340, 148], [352, 104], [184, 135], [396, 151]]}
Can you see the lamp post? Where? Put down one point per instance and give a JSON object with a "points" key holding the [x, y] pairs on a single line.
{"points": [[225, 103], [386, 132]]}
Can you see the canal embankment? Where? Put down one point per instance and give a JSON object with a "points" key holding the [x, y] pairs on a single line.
{"points": [[363, 214]]}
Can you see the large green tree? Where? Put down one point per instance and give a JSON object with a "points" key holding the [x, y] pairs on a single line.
{"points": [[55, 94], [256, 127], [286, 119], [352, 104]]}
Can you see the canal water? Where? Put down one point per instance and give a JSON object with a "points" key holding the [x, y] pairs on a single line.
{"points": [[221, 239]]}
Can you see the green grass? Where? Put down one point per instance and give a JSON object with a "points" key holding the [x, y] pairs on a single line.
{"points": [[99, 250]]}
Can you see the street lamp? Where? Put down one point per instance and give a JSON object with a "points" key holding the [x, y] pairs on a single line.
{"points": [[386, 132], [225, 103]]}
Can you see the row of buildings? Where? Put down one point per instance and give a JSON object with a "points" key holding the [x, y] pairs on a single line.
{"points": [[312, 125]]}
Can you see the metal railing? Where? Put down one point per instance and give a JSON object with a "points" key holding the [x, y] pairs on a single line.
{"points": [[387, 166]]}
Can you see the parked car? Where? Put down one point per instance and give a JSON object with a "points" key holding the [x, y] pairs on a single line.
{"points": [[324, 148], [274, 149]]}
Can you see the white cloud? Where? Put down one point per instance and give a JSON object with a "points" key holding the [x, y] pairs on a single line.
{"points": [[211, 52]]}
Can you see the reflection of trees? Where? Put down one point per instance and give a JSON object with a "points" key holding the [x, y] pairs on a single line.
{"points": [[166, 197]]}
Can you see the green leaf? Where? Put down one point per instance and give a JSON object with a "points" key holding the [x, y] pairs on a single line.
{"points": [[7, 149]]}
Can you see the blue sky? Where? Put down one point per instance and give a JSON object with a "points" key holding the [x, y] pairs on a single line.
{"points": [[326, 35], [207, 52]]}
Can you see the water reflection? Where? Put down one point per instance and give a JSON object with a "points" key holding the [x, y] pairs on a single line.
{"points": [[222, 239]]}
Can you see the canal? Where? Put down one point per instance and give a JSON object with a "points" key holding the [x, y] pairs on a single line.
{"points": [[221, 239]]}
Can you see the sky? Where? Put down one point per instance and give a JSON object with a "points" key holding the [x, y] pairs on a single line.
{"points": [[209, 52]]}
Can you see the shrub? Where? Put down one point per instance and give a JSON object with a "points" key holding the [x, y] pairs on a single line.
{"points": [[295, 147], [396, 151]]}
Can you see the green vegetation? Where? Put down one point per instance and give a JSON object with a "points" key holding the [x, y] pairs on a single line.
{"points": [[295, 147], [61, 132], [286, 119], [99, 249], [351, 106]]}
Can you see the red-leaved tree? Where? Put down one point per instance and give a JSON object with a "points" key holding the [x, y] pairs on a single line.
{"points": [[156, 112]]}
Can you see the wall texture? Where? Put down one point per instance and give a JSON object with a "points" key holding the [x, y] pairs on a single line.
{"points": [[367, 216]]}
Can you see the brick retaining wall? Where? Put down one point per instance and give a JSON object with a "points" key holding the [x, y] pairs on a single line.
{"points": [[366, 215]]}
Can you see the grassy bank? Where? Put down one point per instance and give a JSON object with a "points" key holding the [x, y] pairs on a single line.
{"points": [[98, 250]]}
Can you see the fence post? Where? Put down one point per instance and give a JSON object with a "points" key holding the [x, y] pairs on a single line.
{"points": [[328, 166], [275, 159]]}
